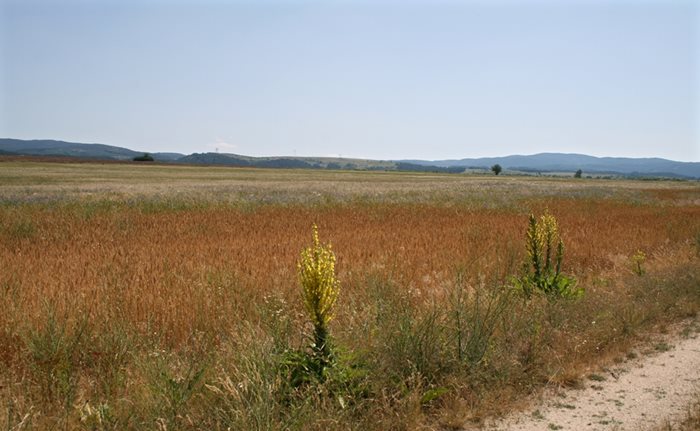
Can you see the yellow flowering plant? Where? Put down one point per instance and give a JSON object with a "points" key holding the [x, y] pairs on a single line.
{"points": [[545, 253], [638, 260], [320, 289]]}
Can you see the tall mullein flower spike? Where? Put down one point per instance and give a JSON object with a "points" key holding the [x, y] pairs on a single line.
{"points": [[533, 245], [549, 236], [545, 252], [320, 286], [560, 256]]}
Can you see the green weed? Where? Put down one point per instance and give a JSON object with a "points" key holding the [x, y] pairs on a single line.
{"points": [[54, 357], [174, 384], [475, 314], [20, 229]]}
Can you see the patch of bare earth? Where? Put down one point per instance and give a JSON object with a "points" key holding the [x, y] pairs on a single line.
{"points": [[651, 388]]}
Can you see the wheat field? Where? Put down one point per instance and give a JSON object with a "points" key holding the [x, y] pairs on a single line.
{"points": [[165, 297]]}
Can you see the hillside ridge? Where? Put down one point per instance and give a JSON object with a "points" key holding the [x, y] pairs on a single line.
{"points": [[535, 163]]}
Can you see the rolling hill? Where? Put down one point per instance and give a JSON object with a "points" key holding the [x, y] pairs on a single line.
{"points": [[537, 163], [285, 162], [558, 162], [47, 147]]}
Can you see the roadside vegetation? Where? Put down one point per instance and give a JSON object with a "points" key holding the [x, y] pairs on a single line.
{"points": [[368, 308], [690, 423]]}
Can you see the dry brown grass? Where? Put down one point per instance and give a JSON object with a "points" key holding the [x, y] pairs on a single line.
{"points": [[188, 185], [165, 267], [153, 286]]}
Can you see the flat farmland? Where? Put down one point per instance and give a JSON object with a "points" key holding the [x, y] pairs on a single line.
{"points": [[31, 181], [168, 297]]}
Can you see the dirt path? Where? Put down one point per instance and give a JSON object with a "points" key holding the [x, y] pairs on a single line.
{"points": [[640, 394]]}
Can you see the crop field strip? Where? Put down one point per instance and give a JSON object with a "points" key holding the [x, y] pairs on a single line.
{"points": [[145, 271], [59, 182]]}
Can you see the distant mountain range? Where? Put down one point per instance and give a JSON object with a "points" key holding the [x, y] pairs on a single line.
{"points": [[558, 162], [537, 163], [46, 147]]}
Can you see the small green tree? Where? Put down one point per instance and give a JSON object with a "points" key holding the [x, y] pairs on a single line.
{"points": [[578, 174], [496, 169], [145, 158]]}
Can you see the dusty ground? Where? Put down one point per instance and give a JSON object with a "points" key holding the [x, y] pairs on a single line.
{"points": [[654, 386]]}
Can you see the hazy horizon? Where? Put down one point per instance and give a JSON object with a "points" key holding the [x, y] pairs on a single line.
{"points": [[376, 80]]}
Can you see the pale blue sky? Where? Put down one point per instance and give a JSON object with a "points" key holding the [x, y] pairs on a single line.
{"points": [[375, 79]]}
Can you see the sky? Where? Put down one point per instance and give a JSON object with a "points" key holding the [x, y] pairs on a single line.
{"points": [[382, 79]]}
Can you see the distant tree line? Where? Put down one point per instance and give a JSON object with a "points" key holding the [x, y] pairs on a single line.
{"points": [[145, 158], [412, 167], [292, 163]]}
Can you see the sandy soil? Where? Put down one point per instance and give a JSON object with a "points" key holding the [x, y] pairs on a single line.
{"points": [[654, 388]]}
